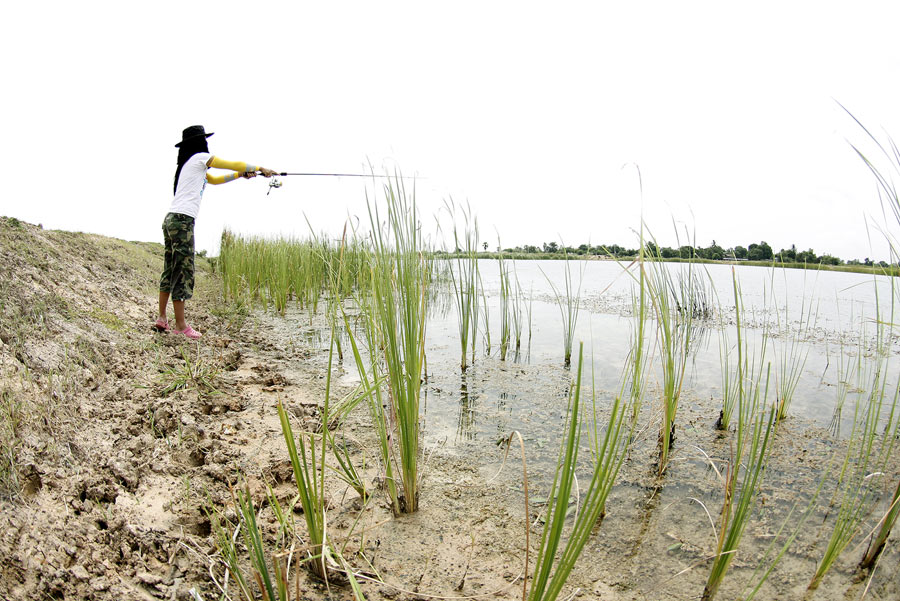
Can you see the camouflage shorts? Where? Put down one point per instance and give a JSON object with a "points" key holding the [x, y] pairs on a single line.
{"points": [[178, 273]]}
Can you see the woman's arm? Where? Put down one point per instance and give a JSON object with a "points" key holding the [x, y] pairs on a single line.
{"points": [[238, 166], [228, 177]]}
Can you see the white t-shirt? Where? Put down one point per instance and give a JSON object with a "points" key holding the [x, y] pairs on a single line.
{"points": [[191, 184]]}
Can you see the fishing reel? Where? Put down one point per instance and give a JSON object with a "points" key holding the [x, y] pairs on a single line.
{"points": [[273, 183]]}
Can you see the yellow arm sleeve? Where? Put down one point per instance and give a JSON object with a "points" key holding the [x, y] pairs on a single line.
{"points": [[221, 179], [238, 166]]}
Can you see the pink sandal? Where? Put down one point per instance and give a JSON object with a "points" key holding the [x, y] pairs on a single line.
{"points": [[188, 332], [161, 325]]}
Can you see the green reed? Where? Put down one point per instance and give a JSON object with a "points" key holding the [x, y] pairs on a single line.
{"points": [[273, 272], [393, 318], [756, 425], [885, 177], [464, 279], [569, 302], [609, 447], [792, 351], [673, 301], [506, 308], [638, 359], [510, 307], [729, 380], [485, 315], [866, 457], [309, 475]]}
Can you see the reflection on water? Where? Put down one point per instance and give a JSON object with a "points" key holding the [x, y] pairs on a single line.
{"points": [[468, 405]]}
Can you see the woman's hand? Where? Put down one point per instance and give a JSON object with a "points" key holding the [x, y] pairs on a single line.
{"points": [[248, 174], [266, 172]]}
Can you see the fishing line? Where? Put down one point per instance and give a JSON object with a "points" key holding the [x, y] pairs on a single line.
{"points": [[274, 183]]}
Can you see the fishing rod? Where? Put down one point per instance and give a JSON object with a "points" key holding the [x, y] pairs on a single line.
{"points": [[283, 174], [274, 183]]}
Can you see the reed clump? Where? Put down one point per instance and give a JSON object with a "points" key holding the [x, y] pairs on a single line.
{"points": [[756, 425], [556, 560], [569, 301], [272, 272], [672, 299], [393, 322], [464, 278]]}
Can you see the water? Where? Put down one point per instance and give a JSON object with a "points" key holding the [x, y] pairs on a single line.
{"points": [[492, 396], [657, 530]]}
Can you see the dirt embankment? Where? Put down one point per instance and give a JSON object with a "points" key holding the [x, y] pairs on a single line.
{"points": [[115, 442], [105, 471]]}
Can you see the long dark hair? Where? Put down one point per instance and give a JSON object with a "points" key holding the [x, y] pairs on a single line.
{"points": [[188, 149]]}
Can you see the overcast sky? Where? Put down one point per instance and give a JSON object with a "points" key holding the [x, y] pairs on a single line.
{"points": [[528, 111]]}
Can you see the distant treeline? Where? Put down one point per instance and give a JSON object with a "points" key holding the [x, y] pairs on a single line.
{"points": [[754, 252]]}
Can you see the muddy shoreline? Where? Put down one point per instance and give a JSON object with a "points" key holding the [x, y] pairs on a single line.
{"points": [[113, 475]]}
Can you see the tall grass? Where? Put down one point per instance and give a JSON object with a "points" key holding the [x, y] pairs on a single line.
{"points": [[464, 278], [272, 272], [393, 320], [756, 424], [792, 349], [869, 450], [512, 309], [638, 359], [885, 178], [507, 306], [553, 565], [673, 302], [569, 301]]}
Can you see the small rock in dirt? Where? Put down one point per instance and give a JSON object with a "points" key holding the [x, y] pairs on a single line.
{"points": [[148, 578], [80, 573]]}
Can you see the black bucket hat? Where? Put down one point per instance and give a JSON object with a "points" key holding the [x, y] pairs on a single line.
{"points": [[194, 131]]}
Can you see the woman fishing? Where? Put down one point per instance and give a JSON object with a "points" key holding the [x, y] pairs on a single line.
{"points": [[191, 178]]}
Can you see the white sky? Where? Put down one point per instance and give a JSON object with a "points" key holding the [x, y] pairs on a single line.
{"points": [[527, 110]]}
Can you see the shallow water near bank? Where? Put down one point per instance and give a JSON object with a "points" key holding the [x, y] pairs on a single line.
{"points": [[659, 533]]}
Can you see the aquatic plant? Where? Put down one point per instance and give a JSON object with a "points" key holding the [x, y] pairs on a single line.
{"points": [[756, 424], [638, 359], [464, 278], [865, 459], [485, 315], [273, 271], [511, 306], [507, 307], [553, 567], [791, 349], [569, 304], [729, 381], [309, 476], [393, 318], [888, 194], [674, 331]]}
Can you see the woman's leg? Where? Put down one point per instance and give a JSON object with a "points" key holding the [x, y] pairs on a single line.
{"points": [[163, 303], [180, 323]]}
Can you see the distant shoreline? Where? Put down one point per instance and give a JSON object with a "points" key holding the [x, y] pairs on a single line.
{"points": [[559, 256]]}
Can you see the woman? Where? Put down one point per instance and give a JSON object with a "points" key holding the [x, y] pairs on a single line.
{"points": [[191, 178]]}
